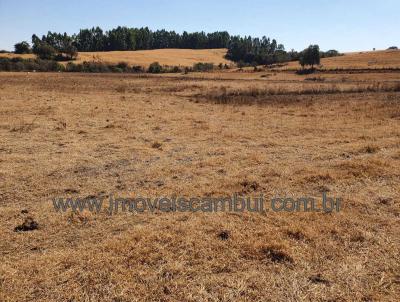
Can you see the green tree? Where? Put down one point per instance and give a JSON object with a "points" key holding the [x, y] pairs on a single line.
{"points": [[247, 49], [310, 56], [70, 51], [44, 51], [22, 47]]}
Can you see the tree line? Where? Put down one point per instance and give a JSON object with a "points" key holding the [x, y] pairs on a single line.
{"points": [[124, 38], [247, 50]]}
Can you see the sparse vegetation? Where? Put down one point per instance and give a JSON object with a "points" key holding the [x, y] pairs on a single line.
{"points": [[202, 67], [19, 64], [254, 94]]}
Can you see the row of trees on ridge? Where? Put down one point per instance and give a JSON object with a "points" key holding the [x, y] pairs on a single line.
{"points": [[246, 49]]}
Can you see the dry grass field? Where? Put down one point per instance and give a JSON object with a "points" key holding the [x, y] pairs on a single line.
{"points": [[360, 60], [203, 134], [13, 55], [188, 57], [171, 57]]}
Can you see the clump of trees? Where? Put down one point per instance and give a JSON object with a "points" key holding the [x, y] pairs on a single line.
{"points": [[22, 48], [59, 47], [44, 51], [310, 56], [330, 53], [393, 48], [250, 50]]}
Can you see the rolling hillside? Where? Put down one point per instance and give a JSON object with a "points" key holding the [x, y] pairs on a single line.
{"points": [[360, 60], [187, 57], [183, 57]]}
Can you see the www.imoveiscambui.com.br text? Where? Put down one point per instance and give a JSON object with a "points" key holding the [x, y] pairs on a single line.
{"points": [[236, 203]]}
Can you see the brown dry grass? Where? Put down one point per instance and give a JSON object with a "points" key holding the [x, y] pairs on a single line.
{"points": [[13, 55], [359, 60], [187, 57], [81, 135], [171, 57]]}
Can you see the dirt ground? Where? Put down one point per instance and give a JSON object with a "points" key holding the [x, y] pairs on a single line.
{"points": [[82, 135]]}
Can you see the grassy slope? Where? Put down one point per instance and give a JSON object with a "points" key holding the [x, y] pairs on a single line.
{"points": [[183, 57], [370, 59], [187, 57]]}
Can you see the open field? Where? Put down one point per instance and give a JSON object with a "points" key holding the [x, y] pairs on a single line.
{"points": [[203, 134]]}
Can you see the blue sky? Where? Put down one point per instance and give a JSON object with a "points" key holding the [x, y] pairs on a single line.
{"points": [[350, 25]]}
